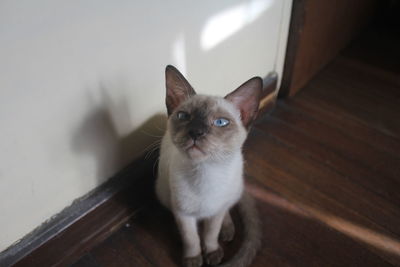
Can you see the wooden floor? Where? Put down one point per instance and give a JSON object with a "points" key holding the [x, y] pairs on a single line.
{"points": [[324, 167]]}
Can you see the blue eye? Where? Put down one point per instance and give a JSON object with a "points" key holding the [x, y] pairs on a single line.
{"points": [[221, 122], [183, 116]]}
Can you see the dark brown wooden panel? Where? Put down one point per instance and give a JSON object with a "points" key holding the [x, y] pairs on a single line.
{"points": [[326, 207], [301, 171], [119, 251], [293, 234], [319, 30], [350, 170], [345, 122], [342, 143]]}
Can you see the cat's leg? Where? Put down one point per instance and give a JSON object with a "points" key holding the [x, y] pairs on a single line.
{"points": [[228, 228], [212, 227], [192, 251]]}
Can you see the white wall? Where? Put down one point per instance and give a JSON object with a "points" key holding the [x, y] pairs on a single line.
{"points": [[82, 84]]}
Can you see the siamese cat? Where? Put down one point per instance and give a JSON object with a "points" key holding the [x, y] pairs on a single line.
{"points": [[200, 175]]}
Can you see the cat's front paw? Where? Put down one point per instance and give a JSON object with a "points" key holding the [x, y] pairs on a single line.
{"points": [[215, 257], [227, 232], [193, 261]]}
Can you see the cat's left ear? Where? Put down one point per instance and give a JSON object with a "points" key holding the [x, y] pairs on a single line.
{"points": [[178, 88], [247, 99]]}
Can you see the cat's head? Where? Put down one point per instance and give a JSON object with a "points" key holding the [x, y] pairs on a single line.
{"points": [[209, 127]]}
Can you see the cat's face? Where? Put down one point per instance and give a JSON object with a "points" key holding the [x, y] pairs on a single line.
{"points": [[207, 127]]}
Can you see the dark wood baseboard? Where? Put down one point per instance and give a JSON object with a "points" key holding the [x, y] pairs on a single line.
{"points": [[88, 221], [94, 217], [269, 95]]}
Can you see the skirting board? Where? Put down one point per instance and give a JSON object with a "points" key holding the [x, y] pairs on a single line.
{"points": [[89, 220]]}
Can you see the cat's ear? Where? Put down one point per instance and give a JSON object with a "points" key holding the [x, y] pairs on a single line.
{"points": [[178, 88], [247, 99]]}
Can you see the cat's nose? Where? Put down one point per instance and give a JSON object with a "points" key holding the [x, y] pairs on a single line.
{"points": [[196, 133]]}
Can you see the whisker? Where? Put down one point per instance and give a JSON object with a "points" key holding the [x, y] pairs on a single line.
{"points": [[151, 148], [150, 153], [151, 135], [154, 166]]}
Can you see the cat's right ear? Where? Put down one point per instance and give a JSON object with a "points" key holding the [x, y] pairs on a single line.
{"points": [[178, 88], [247, 99]]}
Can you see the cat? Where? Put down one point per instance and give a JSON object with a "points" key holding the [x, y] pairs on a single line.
{"points": [[200, 175]]}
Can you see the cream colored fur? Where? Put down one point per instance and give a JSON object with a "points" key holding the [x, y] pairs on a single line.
{"points": [[200, 174], [195, 190]]}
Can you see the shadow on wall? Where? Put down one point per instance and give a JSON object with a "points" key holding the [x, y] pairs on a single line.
{"points": [[98, 137]]}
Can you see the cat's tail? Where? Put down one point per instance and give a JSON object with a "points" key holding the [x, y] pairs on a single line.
{"points": [[252, 233]]}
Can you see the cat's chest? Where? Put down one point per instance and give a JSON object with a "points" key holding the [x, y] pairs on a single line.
{"points": [[207, 191]]}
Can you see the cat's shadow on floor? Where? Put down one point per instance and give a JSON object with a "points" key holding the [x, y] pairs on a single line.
{"points": [[155, 232]]}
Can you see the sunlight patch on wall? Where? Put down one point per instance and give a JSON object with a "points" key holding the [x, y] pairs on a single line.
{"points": [[219, 27]]}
